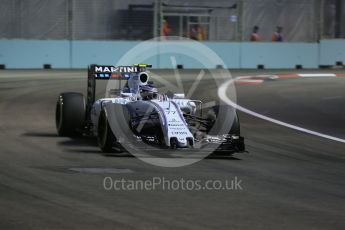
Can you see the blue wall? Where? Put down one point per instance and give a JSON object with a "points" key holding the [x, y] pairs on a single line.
{"points": [[279, 55], [85, 53], [34, 53], [332, 51], [79, 54]]}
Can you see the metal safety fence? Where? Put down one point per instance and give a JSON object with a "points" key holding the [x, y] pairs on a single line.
{"points": [[221, 20]]}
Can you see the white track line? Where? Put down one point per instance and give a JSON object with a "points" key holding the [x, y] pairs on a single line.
{"points": [[222, 95], [317, 75], [249, 81]]}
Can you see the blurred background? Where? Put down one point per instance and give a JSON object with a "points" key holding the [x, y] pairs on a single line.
{"points": [[56, 32]]}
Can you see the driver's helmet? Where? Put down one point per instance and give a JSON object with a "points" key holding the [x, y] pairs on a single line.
{"points": [[148, 92]]}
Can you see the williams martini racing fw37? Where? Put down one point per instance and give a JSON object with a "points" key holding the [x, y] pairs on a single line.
{"points": [[134, 114]]}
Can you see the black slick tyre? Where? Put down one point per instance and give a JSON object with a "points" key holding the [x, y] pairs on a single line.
{"points": [[70, 114]]}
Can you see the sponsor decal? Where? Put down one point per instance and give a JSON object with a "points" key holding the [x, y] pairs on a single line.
{"points": [[102, 75], [178, 124], [117, 69], [179, 133], [176, 128], [116, 75]]}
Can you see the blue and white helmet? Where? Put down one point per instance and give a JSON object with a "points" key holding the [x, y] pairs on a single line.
{"points": [[148, 92]]}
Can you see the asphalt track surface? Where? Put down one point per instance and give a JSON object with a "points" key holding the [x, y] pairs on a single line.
{"points": [[290, 180]]}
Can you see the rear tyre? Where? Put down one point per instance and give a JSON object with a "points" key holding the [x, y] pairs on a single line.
{"points": [[105, 137], [70, 114]]}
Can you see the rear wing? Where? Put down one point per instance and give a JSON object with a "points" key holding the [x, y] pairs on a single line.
{"points": [[103, 72]]}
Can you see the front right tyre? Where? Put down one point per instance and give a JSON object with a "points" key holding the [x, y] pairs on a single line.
{"points": [[105, 137]]}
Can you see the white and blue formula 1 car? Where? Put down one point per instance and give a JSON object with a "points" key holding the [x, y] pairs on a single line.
{"points": [[136, 112]]}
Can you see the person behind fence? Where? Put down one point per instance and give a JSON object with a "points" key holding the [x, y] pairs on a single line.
{"points": [[193, 33], [255, 37], [277, 35], [166, 29], [201, 33]]}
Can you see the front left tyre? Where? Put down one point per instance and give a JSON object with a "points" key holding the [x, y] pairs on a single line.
{"points": [[70, 114]]}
